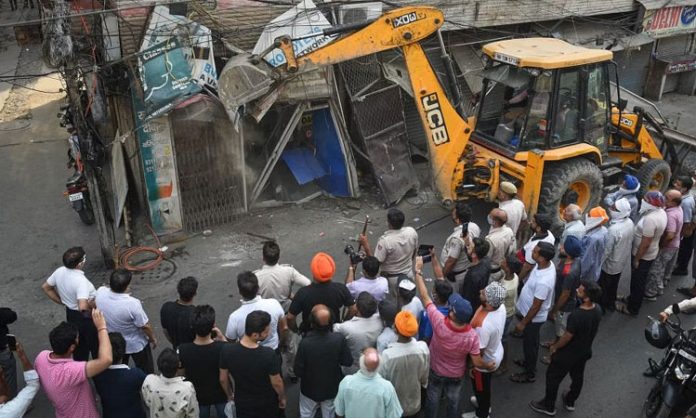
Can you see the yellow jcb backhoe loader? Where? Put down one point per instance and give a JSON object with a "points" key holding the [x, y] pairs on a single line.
{"points": [[545, 119]]}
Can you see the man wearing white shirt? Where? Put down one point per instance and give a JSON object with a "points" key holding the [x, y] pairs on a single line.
{"points": [[533, 307], [516, 212], [362, 330], [540, 225], [248, 285], [489, 323], [17, 406], [69, 286], [125, 314]]}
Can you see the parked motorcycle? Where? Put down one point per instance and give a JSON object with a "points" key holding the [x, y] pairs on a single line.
{"points": [[76, 185], [676, 372]]}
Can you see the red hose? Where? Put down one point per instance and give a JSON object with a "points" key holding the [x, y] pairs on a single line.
{"points": [[123, 257]]}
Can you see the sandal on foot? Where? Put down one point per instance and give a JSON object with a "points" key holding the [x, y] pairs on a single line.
{"points": [[624, 310], [519, 362], [522, 378]]}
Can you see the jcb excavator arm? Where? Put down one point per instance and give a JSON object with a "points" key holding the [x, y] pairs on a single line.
{"points": [[448, 134]]}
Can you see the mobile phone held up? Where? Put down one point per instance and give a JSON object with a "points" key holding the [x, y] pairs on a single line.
{"points": [[11, 342], [424, 251]]}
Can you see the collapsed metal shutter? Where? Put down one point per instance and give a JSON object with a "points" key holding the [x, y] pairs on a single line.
{"points": [[633, 67], [673, 46]]}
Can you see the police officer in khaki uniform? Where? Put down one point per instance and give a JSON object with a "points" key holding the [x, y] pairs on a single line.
{"points": [[501, 240], [276, 282], [395, 249], [454, 250]]}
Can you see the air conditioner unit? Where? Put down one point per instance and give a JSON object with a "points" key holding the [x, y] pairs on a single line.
{"points": [[356, 13]]}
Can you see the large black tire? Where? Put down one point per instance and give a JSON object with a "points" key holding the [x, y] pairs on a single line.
{"points": [[654, 175], [654, 405], [556, 185]]}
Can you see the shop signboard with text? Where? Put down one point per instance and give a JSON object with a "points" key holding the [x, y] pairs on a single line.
{"points": [[159, 169], [668, 21]]}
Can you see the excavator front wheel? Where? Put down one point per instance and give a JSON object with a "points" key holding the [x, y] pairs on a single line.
{"points": [[654, 175], [576, 180]]}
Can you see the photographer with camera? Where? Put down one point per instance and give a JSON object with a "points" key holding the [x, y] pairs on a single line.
{"points": [[395, 249], [15, 405], [370, 282]]}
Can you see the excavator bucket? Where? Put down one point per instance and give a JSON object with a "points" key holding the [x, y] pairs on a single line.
{"points": [[244, 79]]}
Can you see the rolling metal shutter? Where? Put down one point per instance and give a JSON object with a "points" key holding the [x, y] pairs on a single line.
{"points": [[633, 67]]}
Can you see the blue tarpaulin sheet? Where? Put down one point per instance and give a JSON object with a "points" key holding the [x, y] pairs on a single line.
{"points": [[330, 154], [303, 165]]}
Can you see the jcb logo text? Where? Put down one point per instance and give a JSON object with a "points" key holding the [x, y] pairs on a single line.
{"points": [[405, 19], [434, 119]]}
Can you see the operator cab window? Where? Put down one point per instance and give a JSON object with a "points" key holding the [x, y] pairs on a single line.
{"points": [[504, 103], [597, 106], [566, 125], [534, 134]]}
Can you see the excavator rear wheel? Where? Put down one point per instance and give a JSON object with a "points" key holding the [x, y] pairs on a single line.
{"points": [[654, 175], [577, 180]]}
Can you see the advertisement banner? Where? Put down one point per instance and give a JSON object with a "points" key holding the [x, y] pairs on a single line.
{"points": [[164, 26], [165, 76], [298, 22], [159, 169], [670, 21]]}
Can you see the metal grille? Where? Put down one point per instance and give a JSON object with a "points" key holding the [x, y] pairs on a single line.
{"points": [[378, 117], [209, 165]]}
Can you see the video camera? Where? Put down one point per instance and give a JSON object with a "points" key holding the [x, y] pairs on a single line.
{"points": [[355, 256]]}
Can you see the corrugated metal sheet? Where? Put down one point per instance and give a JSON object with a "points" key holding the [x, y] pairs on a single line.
{"points": [[658, 4]]}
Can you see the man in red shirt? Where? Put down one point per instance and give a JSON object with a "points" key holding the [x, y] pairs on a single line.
{"points": [[453, 341]]}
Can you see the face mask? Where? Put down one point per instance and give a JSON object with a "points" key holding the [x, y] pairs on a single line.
{"points": [[490, 220], [645, 206]]}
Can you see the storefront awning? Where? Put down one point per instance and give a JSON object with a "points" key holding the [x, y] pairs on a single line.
{"points": [[600, 36]]}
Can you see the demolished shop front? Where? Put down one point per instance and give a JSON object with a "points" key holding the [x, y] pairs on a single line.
{"points": [[673, 66]]}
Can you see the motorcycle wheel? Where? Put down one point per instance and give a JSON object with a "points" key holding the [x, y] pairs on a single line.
{"points": [[654, 406], [86, 215]]}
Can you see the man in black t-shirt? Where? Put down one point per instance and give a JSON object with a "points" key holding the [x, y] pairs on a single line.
{"points": [[200, 361], [258, 385], [176, 316], [477, 276], [322, 292], [570, 353], [318, 364]]}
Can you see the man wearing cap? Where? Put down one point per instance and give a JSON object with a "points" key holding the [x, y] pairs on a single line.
{"points": [[489, 323], [362, 330], [452, 343], [513, 207], [661, 269], [572, 215], [628, 190], [567, 280], [395, 248], [454, 250], [323, 291], [593, 244], [646, 239], [478, 274], [406, 364], [617, 251], [501, 240], [533, 307]]}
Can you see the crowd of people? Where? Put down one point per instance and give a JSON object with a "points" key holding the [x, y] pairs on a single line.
{"points": [[379, 344]]}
